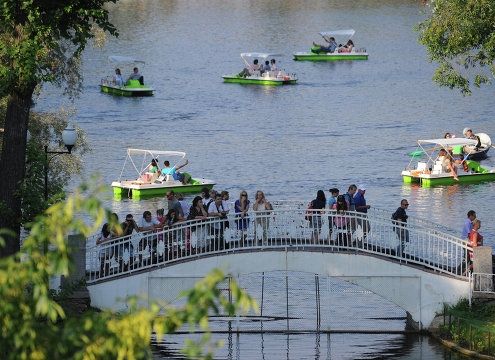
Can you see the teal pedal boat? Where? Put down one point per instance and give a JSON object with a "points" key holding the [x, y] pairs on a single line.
{"points": [[437, 163], [257, 74], [119, 87], [138, 180], [320, 53]]}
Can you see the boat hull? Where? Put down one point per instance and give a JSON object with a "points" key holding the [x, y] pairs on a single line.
{"points": [[479, 155], [129, 189], [258, 81], [330, 57], [127, 91], [479, 174]]}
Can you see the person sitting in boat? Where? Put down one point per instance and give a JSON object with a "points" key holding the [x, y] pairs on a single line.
{"points": [[266, 67], [468, 134], [347, 48], [248, 71], [117, 79], [273, 67], [168, 170], [330, 48], [136, 76], [448, 164]]}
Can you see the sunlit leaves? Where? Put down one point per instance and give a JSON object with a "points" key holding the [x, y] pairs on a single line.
{"points": [[460, 36], [34, 326]]}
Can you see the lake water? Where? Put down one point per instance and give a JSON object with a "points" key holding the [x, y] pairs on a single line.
{"points": [[343, 123]]}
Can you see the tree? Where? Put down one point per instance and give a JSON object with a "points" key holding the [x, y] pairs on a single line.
{"points": [[34, 326], [460, 36], [40, 41], [46, 128]]}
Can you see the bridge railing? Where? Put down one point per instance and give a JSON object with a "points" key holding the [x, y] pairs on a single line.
{"points": [[282, 228]]}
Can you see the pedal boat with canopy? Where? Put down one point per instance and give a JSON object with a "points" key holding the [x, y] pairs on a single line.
{"points": [[426, 166], [277, 77], [146, 184], [344, 36], [130, 87]]}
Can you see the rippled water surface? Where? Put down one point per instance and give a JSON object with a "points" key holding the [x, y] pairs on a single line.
{"points": [[343, 123]]}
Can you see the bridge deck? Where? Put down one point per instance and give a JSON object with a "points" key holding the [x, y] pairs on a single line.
{"points": [[417, 243]]}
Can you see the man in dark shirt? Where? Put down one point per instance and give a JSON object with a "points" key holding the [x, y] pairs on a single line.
{"points": [[399, 218], [129, 225]]}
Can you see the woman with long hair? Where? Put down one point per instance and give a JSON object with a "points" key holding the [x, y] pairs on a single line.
{"points": [[341, 221], [241, 208], [262, 209], [199, 214], [317, 207]]}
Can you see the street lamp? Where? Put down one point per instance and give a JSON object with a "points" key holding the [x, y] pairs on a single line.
{"points": [[69, 137]]}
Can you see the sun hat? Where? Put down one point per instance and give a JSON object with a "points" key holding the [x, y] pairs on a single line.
{"points": [[465, 131]]}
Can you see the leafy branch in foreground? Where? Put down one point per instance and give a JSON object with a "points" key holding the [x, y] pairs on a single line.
{"points": [[459, 35], [34, 326]]}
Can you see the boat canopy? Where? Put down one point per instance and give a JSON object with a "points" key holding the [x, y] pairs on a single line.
{"points": [[349, 33], [124, 60], [259, 55], [155, 153], [145, 156], [449, 142]]}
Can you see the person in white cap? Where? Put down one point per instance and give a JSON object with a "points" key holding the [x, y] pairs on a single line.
{"points": [[359, 200], [468, 133]]}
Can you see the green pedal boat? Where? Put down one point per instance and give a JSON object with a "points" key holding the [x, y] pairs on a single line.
{"points": [[115, 85], [257, 72], [440, 162], [147, 180], [325, 53]]}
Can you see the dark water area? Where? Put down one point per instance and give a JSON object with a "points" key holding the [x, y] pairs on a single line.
{"points": [[343, 123]]}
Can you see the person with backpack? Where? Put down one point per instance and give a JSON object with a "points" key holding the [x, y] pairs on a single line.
{"points": [[399, 219]]}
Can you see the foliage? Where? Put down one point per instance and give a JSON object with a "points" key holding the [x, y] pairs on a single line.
{"points": [[472, 326], [46, 130], [34, 326], [459, 35], [40, 41]]}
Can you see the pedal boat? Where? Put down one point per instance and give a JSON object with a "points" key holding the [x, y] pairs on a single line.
{"points": [[313, 55], [277, 77], [145, 184], [430, 171], [131, 87]]}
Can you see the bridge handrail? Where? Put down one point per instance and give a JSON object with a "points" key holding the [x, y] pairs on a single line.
{"points": [[300, 228]]}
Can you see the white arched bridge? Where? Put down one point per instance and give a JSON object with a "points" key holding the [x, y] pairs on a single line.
{"points": [[419, 265]]}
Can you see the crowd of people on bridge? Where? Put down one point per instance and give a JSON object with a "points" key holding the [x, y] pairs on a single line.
{"points": [[212, 205]]}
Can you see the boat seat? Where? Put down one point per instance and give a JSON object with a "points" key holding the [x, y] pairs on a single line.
{"points": [[133, 83], [421, 166], [437, 169]]}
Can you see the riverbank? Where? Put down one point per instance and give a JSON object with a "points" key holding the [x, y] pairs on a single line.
{"points": [[469, 330]]}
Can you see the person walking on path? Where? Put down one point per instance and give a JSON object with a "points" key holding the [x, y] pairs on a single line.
{"points": [[399, 219]]}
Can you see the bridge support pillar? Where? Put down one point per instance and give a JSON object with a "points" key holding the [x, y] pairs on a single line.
{"points": [[79, 300], [483, 263]]}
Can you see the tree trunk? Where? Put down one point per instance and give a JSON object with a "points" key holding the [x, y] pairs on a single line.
{"points": [[12, 167]]}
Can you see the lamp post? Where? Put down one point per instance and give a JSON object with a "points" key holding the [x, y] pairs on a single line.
{"points": [[69, 137]]}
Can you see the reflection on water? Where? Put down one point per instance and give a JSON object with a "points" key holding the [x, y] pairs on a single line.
{"points": [[317, 346], [289, 326]]}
